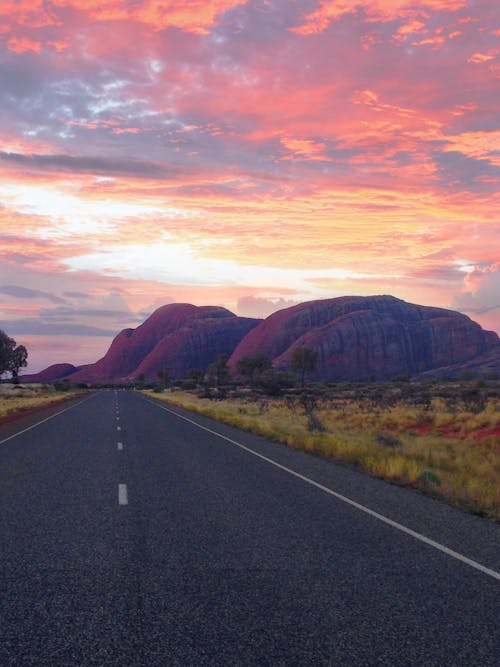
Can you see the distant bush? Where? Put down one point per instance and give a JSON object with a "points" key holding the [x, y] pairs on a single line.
{"points": [[387, 439], [62, 386], [429, 477], [188, 385], [251, 368], [273, 382]]}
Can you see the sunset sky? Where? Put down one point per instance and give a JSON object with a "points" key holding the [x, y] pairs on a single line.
{"points": [[246, 154]]}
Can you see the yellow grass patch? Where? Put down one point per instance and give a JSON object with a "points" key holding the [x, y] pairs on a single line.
{"points": [[12, 401]]}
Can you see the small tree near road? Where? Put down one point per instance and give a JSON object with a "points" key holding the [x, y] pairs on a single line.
{"points": [[140, 380], [12, 356], [196, 375], [252, 367], [18, 359], [302, 361], [218, 372], [163, 376]]}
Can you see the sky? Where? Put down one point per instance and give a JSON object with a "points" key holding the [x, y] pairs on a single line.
{"points": [[252, 155]]}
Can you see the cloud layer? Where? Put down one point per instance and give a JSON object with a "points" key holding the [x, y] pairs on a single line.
{"points": [[250, 154]]}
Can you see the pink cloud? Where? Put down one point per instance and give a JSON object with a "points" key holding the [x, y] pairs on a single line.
{"points": [[478, 58], [380, 10], [191, 15], [304, 149]]}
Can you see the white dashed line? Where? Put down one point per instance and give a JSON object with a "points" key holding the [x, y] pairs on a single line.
{"points": [[119, 446], [118, 428], [122, 494]]}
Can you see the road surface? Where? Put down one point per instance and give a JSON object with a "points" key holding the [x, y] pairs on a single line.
{"points": [[132, 533]]}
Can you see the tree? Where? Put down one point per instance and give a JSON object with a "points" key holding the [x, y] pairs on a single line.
{"points": [[273, 382], [12, 356], [140, 380], [196, 375], [163, 376], [218, 372], [18, 359], [302, 361], [253, 367]]}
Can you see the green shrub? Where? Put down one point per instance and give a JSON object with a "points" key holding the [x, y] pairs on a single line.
{"points": [[429, 477]]}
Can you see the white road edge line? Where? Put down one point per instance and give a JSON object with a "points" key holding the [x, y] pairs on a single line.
{"points": [[122, 494], [46, 419], [339, 496]]}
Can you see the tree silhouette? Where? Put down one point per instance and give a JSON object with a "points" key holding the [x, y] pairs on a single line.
{"points": [[12, 356], [302, 361], [163, 376], [218, 372], [253, 367], [18, 359]]}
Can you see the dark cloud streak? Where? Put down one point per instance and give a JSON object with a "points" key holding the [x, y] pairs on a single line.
{"points": [[34, 327], [26, 293], [90, 165]]}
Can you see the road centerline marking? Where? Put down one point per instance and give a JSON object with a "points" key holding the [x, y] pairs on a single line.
{"points": [[122, 494], [399, 526], [119, 445]]}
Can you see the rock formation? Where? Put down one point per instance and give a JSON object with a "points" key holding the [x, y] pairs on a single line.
{"points": [[357, 338], [485, 366], [54, 372], [362, 338], [178, 336]]}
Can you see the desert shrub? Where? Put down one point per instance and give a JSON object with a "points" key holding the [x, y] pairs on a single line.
{"points": [[397, 468], [314, 423], [387, 439], [429, 477], [252, 367], [273, 382], [62, 386], [188, 385]]}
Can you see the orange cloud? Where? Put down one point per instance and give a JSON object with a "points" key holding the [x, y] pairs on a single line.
{"points": [[23, 44], [380, 10], [304, 149], [481, 145], [410, 28], [191, 15], [479, 58]]}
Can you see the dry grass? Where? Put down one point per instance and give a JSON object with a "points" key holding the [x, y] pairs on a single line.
{"points": [[446, 447], [18, 400]]}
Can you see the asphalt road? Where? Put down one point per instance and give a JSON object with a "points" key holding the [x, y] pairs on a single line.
{"points": [[131, 536]]}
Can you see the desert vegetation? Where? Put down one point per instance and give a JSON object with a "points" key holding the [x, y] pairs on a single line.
{"points": [[16, 399], [442, 438], [12, 356]]}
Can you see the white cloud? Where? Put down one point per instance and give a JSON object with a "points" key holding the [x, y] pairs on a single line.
{"points": [[481, 291], [480, 298], [181, 264], [66, 214]]}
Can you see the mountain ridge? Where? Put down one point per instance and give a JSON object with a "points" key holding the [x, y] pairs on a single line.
{"points": [[356, 337]]}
